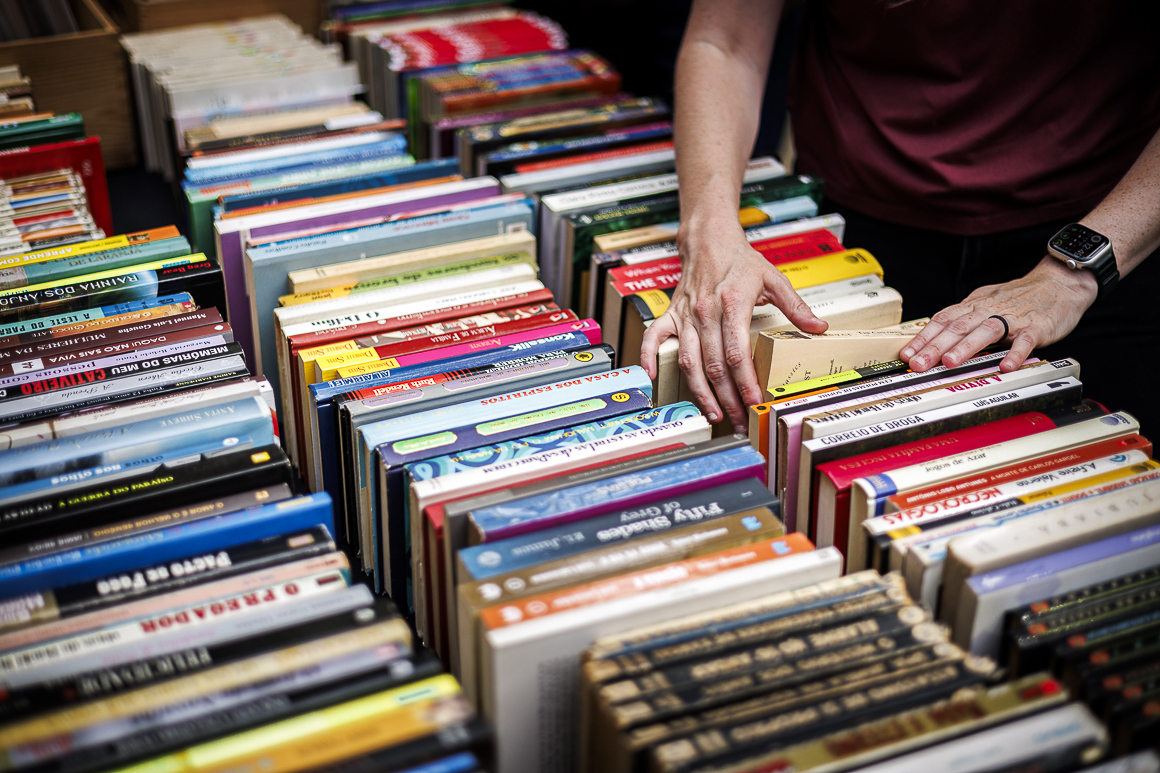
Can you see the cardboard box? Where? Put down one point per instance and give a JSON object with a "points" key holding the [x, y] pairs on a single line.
{"points": [[83, 72]]}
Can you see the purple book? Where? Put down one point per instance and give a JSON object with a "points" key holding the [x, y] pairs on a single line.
{"points": [[233, 233], [554, 508]]}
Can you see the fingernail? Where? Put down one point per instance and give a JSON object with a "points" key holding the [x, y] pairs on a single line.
{"points": [[712, 417], [918, 362], [740, 430], [907, 353]]}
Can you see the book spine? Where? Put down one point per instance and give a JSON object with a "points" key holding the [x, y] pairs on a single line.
{"points": [[967, 712], [144, 607], [168, 544], [28, 664], [908, 688], [400, 452], [106, 363], [589, 328], [1037, 466], [107, 532], [707, 683], [82, 451], [159, 681], [920, 517], [486, 456], [65, 325], [569, 341], [152, 327], [85, 248], [359, 324], [585, 501], [519, 553], [844, 603]]}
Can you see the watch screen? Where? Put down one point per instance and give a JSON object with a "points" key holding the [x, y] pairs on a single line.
{"points": [[1077, 241]]}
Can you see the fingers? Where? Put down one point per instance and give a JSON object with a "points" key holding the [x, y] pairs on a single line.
{"points": [[710, 319], [989, 331], [656, 334], [1020, 350], [737, 313], [689, 361], [953, 327], [781, 294]]}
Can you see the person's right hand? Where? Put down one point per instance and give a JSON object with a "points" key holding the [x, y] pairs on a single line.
{"points": [[722, 280]]}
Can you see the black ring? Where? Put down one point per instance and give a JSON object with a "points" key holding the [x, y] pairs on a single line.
{"points": [[1006, 329]]}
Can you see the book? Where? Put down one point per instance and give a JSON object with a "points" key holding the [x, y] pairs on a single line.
{"points": [[783, 357], [520, 634]]}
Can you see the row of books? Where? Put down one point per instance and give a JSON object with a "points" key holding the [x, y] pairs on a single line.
{"points": [[52, 182], [167, 596]]}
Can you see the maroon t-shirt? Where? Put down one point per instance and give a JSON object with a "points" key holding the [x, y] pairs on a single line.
{"points": [[974, 116]]}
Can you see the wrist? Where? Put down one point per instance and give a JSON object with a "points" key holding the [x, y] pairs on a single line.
{"points": [[1078, 283], [703, 231]]}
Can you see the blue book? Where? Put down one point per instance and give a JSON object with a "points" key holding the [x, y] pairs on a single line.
{"points": [[267, 266], [424, 170], [509, 555], [392, 549], [210, 534], [989, 596], [371, 436], [322, 412], [391, 145], [510, 519], [188, 429], [464, 762]]}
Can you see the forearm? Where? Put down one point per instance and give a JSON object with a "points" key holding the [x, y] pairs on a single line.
{"points": [[720, 80], [1130, 214]]}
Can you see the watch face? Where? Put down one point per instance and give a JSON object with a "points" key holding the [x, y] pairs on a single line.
{"points": [[1078, 242]]}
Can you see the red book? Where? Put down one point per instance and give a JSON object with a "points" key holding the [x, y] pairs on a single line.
{"points": [[642, 270], [472, 42], [438, 598], [396, 348], [811, 244], [82, 156], [1039, 465], [832, 480]]}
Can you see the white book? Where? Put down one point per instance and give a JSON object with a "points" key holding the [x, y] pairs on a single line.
{"points": [[924, 563], [425, 493], [925, 516], [868, 494], [530, 663], [351, 272], [987, 597], [880, 307], [949, 405], [1069, 732], [1067, 526]]}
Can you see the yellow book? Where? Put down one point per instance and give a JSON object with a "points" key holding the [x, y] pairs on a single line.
{"points": [[327, 368], [366, 367], [184, 260], [327, 735]]}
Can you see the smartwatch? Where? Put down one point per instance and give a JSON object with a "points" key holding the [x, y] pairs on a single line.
{"points": [[1080, 247]]}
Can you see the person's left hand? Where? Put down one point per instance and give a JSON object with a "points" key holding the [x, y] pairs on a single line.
{"points": [[1040, 309]]}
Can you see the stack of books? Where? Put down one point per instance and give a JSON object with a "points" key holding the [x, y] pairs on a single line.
{"points": [[232, 84], [167, 597], [52, 178]]}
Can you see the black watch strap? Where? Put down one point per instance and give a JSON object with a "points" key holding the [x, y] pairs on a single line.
{"points": [[1106, 273]]}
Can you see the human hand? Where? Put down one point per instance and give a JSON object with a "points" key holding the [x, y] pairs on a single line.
{"points": [[1040, 308], [722, 280]]}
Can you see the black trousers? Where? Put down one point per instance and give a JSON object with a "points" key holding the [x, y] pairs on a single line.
{"points": [[1117, 342]]}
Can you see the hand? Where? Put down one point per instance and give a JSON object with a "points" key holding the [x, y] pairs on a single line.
{"points": [[722, 280], [1040, 309]]}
